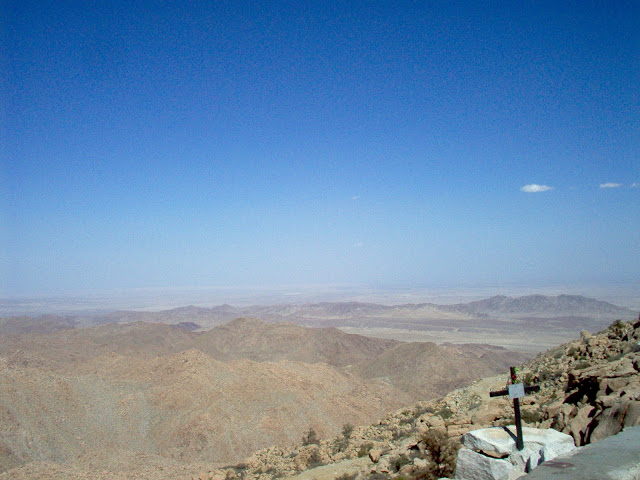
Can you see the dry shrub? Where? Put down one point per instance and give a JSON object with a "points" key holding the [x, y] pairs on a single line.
{"points": [[442, 453]]}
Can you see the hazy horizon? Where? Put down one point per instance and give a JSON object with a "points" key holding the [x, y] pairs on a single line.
{"points": [[329, 143], [157, 299]]}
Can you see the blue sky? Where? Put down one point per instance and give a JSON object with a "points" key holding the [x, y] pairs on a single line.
{"points": [[169, 144]]}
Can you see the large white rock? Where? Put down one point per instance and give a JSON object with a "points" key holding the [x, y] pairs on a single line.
{"points": [[475, 466], [478, 459], [501, 441]]}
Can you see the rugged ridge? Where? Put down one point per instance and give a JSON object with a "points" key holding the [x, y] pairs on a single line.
{"points": [[98, 396], [590, 389]]}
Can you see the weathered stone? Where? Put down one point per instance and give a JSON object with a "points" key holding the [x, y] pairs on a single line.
{"points": [[551, 451], [554, 409], [458, 430], [630, 394], [429, 421], [525, 460], [608, 423], [580, 423], [472, 465], [384, 465], [609, 385], [546, 423], [488, 415], [625, 369], [585, 336], [375, 454], [632, 415], [420, 462], [569, 411], [406, 470], [501, 441], [608, 400]]}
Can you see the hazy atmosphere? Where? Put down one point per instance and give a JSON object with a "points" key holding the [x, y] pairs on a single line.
{"points": [[245, 144], [321, 240]]}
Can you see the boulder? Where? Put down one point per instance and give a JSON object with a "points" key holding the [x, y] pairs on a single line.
{"points": [[420, 463], [625, 413], [458, 430], [579, 425], [487, 415], [429, 421], [501, 440], [491, 453], [374, 455], [475, 466], [632, 416]]}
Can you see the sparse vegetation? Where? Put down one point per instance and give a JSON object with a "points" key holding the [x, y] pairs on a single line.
{"points": [[310, 438], [315, 459], [442, 453], [445, 412], [347, 476], [618, 328], [341, 443], [398, 462], [364, 449], [399, 433]]}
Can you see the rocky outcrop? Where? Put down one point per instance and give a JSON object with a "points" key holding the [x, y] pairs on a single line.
{"points": [[590, 389], [491, 453]]}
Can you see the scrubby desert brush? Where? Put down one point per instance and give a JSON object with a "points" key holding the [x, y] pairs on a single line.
{"points": [[442, 453], [310, 438]]}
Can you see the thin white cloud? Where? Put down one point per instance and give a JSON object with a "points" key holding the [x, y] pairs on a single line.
{"points": [[610, 185], [635, 185], [535, 188], [355, 197], [358, 245]]}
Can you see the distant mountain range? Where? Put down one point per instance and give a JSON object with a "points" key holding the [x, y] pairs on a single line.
{"points": [[536, 305], [407, 316]]}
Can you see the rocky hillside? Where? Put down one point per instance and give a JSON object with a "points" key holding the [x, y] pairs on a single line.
{"points": [[256, 340], [433, 370], [187, 406], [173, 415], [131, 396], [590, 389]]}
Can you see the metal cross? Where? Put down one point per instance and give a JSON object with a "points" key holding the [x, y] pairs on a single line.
{"points": [[516, 390]]}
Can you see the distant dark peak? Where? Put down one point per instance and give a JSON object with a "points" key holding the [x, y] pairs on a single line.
{"points": [[189, 326]]}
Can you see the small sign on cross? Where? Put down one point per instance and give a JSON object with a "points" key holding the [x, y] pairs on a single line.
{"points": [[516, 390]]}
